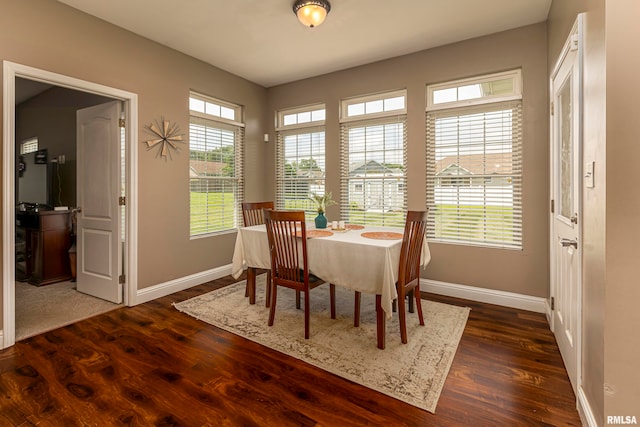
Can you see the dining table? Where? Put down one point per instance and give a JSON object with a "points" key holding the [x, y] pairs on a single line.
{"points": [[360, 258]]}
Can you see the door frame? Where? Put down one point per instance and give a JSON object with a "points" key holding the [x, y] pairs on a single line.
{"points": [[576, 37], [10, 72]]}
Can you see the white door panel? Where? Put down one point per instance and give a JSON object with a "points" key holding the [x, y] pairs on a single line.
{"points": [[98, 244], [98, 222]]}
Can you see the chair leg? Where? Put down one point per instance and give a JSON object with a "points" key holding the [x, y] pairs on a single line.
{"points": [[332, 295], [251, 284], [267, 291], [306, 314], [419, 304], [402, 317], [356, 310], [411, 308], [298, 300], [272, 308]]}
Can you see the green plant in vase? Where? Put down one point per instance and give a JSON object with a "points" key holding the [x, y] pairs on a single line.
{"points": [[322, 202]]}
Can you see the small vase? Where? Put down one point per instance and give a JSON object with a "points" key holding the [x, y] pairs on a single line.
{"points": [[321, 220]]}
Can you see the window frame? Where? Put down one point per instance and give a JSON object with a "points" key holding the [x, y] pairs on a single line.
{"points": [[484, 106], [364, 121], [282, 114], [516, 93], [237, 127], [347, 102], [301, 128]]}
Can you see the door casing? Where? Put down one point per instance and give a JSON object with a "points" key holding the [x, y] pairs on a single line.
{"points": [[574, 41], [11, 71]]}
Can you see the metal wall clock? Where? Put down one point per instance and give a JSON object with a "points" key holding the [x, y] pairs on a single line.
{"points": [[166, 136]]}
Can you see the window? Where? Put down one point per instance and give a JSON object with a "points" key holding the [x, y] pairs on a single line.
{"points": [[216, 140], [300, 158], [29, 145], [474, 165], [478, 90], [373, 156]]}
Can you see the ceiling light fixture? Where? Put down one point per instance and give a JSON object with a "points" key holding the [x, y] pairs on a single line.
{"points": [[311, 12]]}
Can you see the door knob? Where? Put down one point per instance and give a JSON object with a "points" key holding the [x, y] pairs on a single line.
{"points": [[569, 242], [574, 219]]}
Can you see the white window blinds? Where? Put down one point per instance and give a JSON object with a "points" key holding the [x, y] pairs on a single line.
{"points": [[300, 158], [301, 169], [216, 175], [474, 175], [373, 171]]}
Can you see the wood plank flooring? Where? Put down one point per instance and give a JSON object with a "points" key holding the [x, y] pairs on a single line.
{"points": [[152, 365]]}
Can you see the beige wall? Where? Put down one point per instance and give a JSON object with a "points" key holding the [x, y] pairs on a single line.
{"points": [[525, 272], [621, 336], [49, 35], [610, 347]]}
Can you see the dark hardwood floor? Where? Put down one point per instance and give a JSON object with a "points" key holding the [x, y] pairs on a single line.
{"points": [[152, 365]]}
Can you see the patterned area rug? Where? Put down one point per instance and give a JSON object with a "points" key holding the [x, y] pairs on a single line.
{"points": [[414, 373]]}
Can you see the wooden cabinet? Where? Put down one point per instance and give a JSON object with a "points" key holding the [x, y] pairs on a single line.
{"points": [[47, 239]]}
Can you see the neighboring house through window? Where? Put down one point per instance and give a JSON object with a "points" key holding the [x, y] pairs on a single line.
{"points": [[474, 160], [216, 141], [373, 156], [300, 157]]}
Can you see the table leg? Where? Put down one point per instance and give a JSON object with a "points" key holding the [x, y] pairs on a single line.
{"points": [[380, 321], [251, 284]]}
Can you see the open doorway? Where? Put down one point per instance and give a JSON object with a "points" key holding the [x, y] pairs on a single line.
{"points": [[46, 295], [40, 108]]}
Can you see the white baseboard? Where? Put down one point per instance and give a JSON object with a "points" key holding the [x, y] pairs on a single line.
{"points": [[584, 410], [489, 296], [163, 289]]}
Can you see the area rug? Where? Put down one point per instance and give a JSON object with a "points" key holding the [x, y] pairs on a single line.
{"points": [[413, 373]]}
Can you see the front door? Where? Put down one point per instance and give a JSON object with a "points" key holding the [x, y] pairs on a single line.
{"points": [[566, 251], [99, 254]]}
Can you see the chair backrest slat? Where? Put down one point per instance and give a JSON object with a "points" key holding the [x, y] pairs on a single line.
{"points": [[252, 212]]}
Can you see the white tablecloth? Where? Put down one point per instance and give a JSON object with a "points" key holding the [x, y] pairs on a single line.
{"points": [[345, 259]]}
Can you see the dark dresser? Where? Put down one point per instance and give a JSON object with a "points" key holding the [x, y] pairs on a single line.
{"points": [[44, 238]]}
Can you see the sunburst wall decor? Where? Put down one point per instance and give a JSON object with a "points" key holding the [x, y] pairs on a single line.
{"points": [[167, 136]]}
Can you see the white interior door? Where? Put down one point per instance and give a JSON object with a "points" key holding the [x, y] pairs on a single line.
{"points": [[98, 226], [566, 251]]}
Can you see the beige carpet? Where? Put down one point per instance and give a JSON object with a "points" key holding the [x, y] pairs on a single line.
{"points": [[43, 308], [414, 373]]}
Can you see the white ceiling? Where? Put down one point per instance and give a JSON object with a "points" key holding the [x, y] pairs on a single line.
{"points": [[262, 40]]}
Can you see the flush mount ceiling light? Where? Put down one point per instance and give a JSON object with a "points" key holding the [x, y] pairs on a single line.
{"points": [[311, 12]]}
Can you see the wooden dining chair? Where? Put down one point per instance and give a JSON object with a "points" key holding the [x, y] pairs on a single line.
{"points": [[252, 215], [408, 270], [287, 234], [252, 212]]}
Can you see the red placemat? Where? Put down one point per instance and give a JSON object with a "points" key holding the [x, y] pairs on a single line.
{"points": [[315, 233], [354, 227], [382, 235]]}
